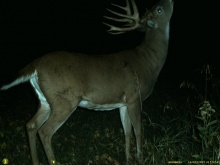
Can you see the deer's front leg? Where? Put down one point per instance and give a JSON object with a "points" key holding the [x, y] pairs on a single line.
{"points": [[126, 123], [134, 112]]}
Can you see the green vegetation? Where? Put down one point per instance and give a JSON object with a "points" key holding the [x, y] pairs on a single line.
{"points": [[179, 124]]}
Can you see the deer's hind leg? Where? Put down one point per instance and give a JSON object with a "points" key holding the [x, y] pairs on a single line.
{"points": [[33, 126], [61, 109]]}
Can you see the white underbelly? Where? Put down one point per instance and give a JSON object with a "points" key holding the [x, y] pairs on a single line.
{"points": [[99, 107]]}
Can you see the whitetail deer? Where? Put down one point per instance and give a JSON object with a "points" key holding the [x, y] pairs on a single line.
{"points": [[63, 81]]}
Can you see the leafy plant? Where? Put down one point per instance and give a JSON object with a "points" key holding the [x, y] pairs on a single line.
{"points": [[206, 133]]}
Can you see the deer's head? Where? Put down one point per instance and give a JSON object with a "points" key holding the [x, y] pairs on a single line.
{"points": [[158, 16]]}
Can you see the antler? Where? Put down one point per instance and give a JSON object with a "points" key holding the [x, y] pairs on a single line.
{"points": [[133, 20]]}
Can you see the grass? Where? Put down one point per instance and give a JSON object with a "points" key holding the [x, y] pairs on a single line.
{"points": [[179, 124]]}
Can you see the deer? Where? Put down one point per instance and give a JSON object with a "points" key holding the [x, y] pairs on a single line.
{"points": [[64, 81]]}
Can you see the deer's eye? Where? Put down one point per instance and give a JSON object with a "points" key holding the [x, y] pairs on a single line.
{"points": [[159, 10]]}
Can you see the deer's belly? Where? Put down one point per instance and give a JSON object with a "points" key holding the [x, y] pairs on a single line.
{"points": [[99, 107]]}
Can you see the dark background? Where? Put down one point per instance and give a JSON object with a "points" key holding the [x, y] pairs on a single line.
{"points": [[31, 29]]}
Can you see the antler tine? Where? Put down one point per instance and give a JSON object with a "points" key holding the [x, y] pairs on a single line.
{"points": [[131, 19], [127, 15], [119, 19], [126, 8], [114, 29], [135, 9]]}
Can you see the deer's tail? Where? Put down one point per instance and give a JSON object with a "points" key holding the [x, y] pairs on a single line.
{"points": [[23, 76]]}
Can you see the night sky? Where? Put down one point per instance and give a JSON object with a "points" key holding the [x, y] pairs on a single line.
{"points": [[31, 29]]}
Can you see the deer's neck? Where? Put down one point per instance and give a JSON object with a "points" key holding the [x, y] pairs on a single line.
{"points": [[152, 54], [153, 50]]}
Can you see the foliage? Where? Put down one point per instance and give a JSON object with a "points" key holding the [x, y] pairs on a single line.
{"points": [[206, 130], [208, 133]]}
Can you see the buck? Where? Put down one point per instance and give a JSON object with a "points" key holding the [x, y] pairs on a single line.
{"points": [[63, 81]]}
